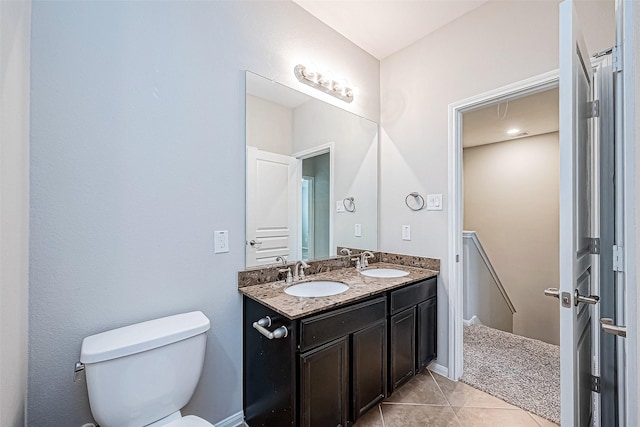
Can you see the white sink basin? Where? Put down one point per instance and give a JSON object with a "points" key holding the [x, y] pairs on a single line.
{"points": [[319, 288], [384, 273]]}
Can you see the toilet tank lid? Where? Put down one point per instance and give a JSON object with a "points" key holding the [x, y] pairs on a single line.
{"points": [[142, 336]]}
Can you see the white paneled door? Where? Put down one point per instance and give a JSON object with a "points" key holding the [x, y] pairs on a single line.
{"points": [[271, 206], [578, 255]]}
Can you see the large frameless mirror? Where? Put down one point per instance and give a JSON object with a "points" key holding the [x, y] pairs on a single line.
{"points": [[312, 176]]}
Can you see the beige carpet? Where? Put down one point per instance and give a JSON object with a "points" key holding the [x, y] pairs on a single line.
{"points": [[521, 371]]}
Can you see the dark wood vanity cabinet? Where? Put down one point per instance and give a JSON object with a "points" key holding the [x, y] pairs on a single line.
{"points": [[402, 360], [427, 314], [324, 380], [328, 370], [324, 376], [412, 330], [369, 363], [334, 366]]}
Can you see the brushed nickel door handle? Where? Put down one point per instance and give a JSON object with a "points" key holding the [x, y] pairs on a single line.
{"points": [[591, 299], [552, 292], [607, 326]]}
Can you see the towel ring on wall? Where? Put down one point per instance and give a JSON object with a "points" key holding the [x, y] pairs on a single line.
{"points": [[418, 198], [349, 204]]}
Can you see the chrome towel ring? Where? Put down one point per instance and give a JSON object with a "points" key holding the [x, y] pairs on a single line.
{"points": [[349, 204], [419, 201]]}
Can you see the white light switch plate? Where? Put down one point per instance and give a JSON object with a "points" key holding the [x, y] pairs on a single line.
{"points": [[406, 232], [358, 230], [340, 206], [434, 202], [220, 241]]}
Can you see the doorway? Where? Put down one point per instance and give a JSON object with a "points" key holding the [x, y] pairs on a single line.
{"points": [[511, 205], [316, 172], [455, 269], [315, 206], [511, 182]]}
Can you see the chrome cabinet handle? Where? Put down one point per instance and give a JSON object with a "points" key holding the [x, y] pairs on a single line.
{"points": [[591, 299], [255, 242], [607, 326]]}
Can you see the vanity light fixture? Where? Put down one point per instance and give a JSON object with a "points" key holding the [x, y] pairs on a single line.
{"points": [[323, 82]]}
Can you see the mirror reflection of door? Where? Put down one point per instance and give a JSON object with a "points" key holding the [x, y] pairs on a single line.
{"points": [[271, 198], [315, 207]]}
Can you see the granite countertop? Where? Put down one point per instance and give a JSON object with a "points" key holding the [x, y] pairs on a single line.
{"points": [[273, 296]]}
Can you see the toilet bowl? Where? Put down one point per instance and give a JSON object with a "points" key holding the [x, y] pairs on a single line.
{"points": [[143, 374]]}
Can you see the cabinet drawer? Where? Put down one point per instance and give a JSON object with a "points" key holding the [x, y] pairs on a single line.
{"points": [[322, 328], [412, 295]]}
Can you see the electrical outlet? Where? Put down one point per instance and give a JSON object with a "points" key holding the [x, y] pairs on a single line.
{"points": [[358, 230], [406, 232], [340, 206], [221, 241]]}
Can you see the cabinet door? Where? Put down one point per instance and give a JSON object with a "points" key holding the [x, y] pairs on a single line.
{"points": [[402, 351], [324, 378], [426, 341], [369, 367]]}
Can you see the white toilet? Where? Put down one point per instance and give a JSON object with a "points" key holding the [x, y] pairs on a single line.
{"points": [[143, 374]]}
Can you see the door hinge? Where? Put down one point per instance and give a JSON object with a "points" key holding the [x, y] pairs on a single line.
{"points": [[618, 258], [595, 383], [457, 258], [594, 245], [593, 109], [616, 59]]}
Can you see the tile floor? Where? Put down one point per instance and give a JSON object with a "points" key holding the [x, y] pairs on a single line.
{"points": [[433, 400]]}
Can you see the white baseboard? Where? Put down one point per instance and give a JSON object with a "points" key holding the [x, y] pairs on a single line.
{"points": [[439, 369], [235, 420], [473, 321]]}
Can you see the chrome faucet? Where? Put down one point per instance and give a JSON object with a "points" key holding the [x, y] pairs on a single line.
{"points": [[298, 271], [345, 251], [289, 278], [364, 258], [282, 259]]}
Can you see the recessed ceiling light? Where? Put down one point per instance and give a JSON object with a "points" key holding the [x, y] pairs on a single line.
{"points": [[513, 131]]}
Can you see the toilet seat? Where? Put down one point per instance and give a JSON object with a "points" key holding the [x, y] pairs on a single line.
{"points": [[189, 421]]}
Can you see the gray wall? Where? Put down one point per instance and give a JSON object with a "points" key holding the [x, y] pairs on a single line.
{"points": [[15, 29], [137, 156]]}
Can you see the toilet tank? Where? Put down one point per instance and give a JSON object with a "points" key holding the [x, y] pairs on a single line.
{"points": [[144, 372]]}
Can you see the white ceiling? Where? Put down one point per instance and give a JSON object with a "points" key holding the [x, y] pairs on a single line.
{"points": [[383, 27], [535, 114]]}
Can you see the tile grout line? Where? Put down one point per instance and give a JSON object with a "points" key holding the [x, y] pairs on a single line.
{"points": [[381, 415], [445, 397], [531, 416], [414, 404]]}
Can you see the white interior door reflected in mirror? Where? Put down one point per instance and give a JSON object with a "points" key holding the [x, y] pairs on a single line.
{"points": [[271, 206]]}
